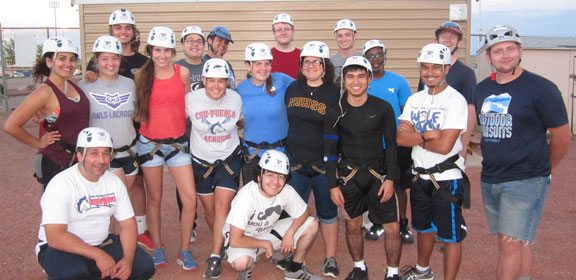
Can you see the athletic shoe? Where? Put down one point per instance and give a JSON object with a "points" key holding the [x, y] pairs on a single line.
{"points": [[213, 269], [357, 274], [301, 274], [159, 257], [282, 262], [246, 274], [330, 267], [394, 277], [375, 232], [186, 260], [411, 273], [405, 233], [145, 241], [193, 236]]}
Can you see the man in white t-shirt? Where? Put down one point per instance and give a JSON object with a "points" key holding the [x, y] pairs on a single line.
{"points": [[432, 123], [253, 227], [76, 208]]}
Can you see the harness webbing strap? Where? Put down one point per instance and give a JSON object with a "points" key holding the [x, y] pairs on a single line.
{"points": [[449, 163]]}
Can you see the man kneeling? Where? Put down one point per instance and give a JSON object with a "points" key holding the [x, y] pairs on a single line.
{"points": [[76, 210], [254, 226]]}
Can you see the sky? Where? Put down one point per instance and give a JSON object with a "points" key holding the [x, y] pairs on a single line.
{"points": [[529, 17]]}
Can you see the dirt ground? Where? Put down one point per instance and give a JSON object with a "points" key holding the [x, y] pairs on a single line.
{"points": [[554, 256]]}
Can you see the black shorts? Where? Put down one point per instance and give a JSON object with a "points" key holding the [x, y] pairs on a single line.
{"points": [[218, 178], [433, 213], [361, 195], [128, 165], [404, 168], [45, 169]]}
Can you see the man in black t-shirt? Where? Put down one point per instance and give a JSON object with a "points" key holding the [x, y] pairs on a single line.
{"points": [[353, 134], [516, 108]]}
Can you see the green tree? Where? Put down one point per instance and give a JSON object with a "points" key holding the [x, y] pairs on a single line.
{"points": [[9, 52], [38, 52]]}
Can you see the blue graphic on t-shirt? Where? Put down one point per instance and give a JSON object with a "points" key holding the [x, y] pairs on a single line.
{"points": [[494, 118], [425, 120], [111, 100]]}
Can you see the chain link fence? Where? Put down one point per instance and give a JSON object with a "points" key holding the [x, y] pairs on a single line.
{"points": [[20, 49]]}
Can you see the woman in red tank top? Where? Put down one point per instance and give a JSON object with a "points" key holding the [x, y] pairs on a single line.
{"points": [[160, 88], [62, 104]]}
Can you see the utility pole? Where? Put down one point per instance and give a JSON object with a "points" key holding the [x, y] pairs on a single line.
{"points": [[54, 5]]}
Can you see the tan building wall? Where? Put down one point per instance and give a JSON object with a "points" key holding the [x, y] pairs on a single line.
{"points": [[556, 65], [404, 26]]}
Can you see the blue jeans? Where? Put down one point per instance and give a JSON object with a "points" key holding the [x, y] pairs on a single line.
{"points": [[306, 180], [63, 265], [514, 208]]}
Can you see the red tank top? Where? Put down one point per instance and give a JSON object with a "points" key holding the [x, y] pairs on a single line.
{"points": [[167, 115], [74, 116]]}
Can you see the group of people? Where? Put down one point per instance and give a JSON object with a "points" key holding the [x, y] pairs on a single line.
{"points": [[340, 126]]}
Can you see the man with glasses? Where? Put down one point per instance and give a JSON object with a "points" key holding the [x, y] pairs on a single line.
{"points": [[286, 56], [193, 40], [255, 227], [345, 33], [394, 89]]}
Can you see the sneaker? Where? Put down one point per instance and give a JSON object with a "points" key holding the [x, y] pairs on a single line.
{"points": [[301, 274], [282, 262], [405, 233], [394, 277], [186, 260], [375, 232], [159, 257], [145, 241], [411, 273], [193, 236], [357, 274], [330, 267], [213, 270], [246, 274]]}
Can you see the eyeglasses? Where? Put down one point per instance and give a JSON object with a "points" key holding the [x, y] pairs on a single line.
{"points": [[285, 30], [374, 56], [274, 176], [194, 42], [308, 63]]}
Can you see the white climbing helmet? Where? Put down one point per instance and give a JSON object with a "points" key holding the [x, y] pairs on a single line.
{"points": [[121, 16], [435, 54], [216, 68], [373, 44], [345, 24], [282, 17], [315, 48], [357, 60], [162, 36], [191, 30], [92, 137], [59, 44], [275, 161], [108, 44], [257, 51]]}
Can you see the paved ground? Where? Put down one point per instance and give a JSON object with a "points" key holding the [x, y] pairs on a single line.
{"points": [[554, 256]]}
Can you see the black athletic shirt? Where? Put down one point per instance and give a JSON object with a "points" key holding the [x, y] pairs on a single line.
{"points": [[128, 66], [307, 108], [357, 137], [462, 79]]}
